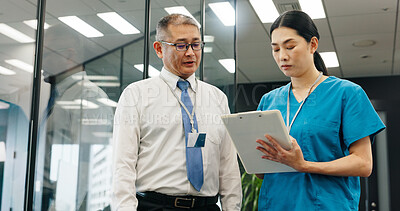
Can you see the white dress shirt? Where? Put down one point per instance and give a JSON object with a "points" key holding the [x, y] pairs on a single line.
{"points": [[149, 143]]}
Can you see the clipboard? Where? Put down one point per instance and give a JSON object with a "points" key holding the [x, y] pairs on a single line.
{"points": [[246, 127]]}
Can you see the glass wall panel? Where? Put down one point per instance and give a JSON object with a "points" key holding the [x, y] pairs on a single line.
{"points": [[17, 50], [132, 69], [161, 8], [83, 79], [219, 63]]}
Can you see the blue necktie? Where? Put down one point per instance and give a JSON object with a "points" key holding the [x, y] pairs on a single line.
{"points": [[194, 160]]}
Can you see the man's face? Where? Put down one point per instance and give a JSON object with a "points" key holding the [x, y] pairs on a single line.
{"points": [[180, 63]]}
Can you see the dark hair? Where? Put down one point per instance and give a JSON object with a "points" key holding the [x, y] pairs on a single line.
{"points": [[174, 19], [304, 27]]}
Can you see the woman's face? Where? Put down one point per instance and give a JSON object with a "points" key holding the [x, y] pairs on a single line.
{"points": [[292, 53]]}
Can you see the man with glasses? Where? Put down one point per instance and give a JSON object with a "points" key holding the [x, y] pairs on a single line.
{"points": [[171, 150]]}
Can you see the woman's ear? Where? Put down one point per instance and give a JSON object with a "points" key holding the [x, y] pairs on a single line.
{"points": [[158, 48], [313, 44]]}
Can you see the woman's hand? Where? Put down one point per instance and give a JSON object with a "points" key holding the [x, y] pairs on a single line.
{"points": [[357, 164], [273, 151]]}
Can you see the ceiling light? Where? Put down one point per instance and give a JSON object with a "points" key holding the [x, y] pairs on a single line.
{"points": [[313, 8], [265, 9], [4, 105], [103, 134], [152, 71], [330, 59], [224, 12], [96, 77], [2, 151], [38, 186], [77, 104], [229, 64], [208, 49], [208, 38], [15, 34], [66, 102], [33, 24], [81, 26], [20, 64], [180, 10], [118, 23], [107, 84], [364, 43], [5, 71], [107, 102]]}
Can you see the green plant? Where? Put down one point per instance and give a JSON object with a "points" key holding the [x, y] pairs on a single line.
{"points": [[251, 185]]}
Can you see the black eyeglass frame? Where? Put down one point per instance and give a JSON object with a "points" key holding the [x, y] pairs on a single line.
{"points": [[202, 43]]}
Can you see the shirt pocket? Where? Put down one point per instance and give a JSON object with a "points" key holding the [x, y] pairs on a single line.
{"points": [[214, 136], [322, 140]]}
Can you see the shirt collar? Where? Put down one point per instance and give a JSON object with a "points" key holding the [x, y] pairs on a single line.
{"points": [[173, 79]]}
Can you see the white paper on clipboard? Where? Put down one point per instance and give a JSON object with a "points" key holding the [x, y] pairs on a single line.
{"points": [[246, 127]]}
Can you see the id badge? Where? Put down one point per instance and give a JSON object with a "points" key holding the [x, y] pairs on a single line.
{"points": [[196, 140]]}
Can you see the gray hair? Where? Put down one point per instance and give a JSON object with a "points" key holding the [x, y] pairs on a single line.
{"points": [[174, 19]]}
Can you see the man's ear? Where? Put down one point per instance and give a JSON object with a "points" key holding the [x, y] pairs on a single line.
{"points": [[313, 44], [158, 48]]}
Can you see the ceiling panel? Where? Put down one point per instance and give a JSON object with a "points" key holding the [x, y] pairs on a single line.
{"points": [[16, 11], [339, 8], [60, 8], [363, 24], [367, 69]]}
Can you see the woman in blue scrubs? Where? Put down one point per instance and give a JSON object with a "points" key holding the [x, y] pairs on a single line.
{"points": [[331, 122]]}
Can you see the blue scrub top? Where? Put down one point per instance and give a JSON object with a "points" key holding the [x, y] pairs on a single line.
{"points": [[336, 114]]}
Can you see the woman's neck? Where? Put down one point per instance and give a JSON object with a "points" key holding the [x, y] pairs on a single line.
{"points": [[305, 81]]}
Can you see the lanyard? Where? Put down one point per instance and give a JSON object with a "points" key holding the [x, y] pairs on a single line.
{"points": [[289, 126], [191, 115]]}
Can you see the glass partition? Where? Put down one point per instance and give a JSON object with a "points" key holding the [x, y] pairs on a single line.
{"points": [[132, 64], [218, 57], [84, 73], [17, 51]]}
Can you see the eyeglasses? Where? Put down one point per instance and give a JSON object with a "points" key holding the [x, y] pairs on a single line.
{"points": [[196, 46]]}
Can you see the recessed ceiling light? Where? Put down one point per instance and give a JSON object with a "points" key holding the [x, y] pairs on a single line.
{"points": [[265, 9], [152, 71], [225, 12], [229, 64], [15, 34], [33, 24], [103, 134], [107, 102], [2, 151], [96, 77], [81, 26], [314, 8], [364, 43], [107, 84], [180, 10], [118, 23], [5, 71], [4, 105], [208, 38], [77, 104], [208, 49], [330, 59], [20, 64], [86, 103]]}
